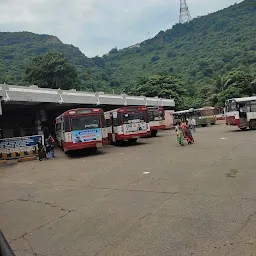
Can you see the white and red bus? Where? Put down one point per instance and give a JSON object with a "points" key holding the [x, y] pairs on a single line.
{"points": [[81, 128], [127, 124], [241, 112], [156, 117]]}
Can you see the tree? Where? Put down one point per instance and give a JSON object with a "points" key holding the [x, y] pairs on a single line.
{"points": [[52, 70], [161, 86], [114, 50]]}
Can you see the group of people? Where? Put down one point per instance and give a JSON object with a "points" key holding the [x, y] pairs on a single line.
{"points": [[183, 131], [46, 150]]}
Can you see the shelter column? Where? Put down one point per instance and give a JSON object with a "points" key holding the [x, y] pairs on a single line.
{"points": [[1, 111]]}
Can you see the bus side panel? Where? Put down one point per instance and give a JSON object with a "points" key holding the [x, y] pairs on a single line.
{"points": [[157, 125]]}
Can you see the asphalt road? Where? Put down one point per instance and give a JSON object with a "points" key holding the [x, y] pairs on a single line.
{"points": [[152, 199]]}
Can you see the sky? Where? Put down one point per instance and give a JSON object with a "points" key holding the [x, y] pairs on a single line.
{"points": [[97, 26]]}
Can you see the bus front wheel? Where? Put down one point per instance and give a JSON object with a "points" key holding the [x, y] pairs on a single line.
{"points": [[132, 141], [252, 124], [153, 133]]}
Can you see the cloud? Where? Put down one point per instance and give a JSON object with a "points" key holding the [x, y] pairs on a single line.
{"points": [[96, 26]]}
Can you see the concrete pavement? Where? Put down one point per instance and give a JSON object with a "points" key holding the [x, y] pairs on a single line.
{"points": [[154, 198]]}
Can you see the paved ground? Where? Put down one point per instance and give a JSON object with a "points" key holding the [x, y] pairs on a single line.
{"points": [[192, 200]]}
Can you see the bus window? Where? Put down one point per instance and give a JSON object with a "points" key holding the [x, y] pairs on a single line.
{"points": [[84, 122], [133, 117], [66, 127], [253, 106], [58, 127], [233, 106]]}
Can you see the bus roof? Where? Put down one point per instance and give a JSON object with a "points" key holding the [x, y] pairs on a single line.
{"points": [[128, 108], [80, 111], [244, 99], [155, 108], [182, 112]]}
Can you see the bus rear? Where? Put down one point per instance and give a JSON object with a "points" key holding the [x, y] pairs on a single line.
{"points": [[156, 119], [232, 113], [127, 124], [208, 116], [81, 128]]}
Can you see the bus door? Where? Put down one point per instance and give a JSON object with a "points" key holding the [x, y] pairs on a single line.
{"points": [[242, 108]]}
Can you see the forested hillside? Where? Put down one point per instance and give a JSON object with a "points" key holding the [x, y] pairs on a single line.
{"points": [[201, 55], [196, 51], [19, 48]]}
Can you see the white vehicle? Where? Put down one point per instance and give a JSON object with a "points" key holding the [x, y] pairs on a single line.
{"points": [[127, 124], [241, 112]]}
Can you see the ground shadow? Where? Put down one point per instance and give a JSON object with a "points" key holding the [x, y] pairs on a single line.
{"points": [[84, 153], [128, 144], [239, 130]]}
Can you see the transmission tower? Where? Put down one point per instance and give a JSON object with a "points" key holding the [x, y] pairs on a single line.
{"points": [[184, 12]]}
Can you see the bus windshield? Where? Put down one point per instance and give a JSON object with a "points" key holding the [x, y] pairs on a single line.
{"points": [[155, 115], [134, 117], [207, 112], [231, 106], [84, 122]]}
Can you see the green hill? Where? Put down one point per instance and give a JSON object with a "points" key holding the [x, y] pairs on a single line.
{"points": [[194, 52], [17, 49], [211, 45]]}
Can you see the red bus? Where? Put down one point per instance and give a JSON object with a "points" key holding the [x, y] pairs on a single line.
{"points": [[81, 128], [156, 118], [127, 124]]}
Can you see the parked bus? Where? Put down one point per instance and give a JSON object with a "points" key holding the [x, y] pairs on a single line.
{"points": [[241, 112], [203, 116], [219, 113], [127, 124], [156, 117], [81, 128]]}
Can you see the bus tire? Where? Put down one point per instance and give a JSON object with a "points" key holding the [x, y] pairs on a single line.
{"points": [[252, 124], [213, 123], [133, 140], [153, 133], [94, 150], [203, 125]]}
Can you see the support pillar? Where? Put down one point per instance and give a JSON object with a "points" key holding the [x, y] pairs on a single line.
{"points": [[1, 110]]}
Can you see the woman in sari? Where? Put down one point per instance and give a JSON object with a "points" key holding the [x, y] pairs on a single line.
{"points": [[179, 133], [187, 133]]}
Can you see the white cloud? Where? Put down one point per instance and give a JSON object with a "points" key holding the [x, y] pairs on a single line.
{"points": [[96, 26]]}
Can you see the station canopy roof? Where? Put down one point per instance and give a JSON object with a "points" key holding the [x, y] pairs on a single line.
{"points": [[33, 94]]}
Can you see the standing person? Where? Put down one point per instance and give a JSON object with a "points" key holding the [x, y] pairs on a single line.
{"points": [[193, 124], [41, 150], [50, 146], [179, 133], [189, 122]]}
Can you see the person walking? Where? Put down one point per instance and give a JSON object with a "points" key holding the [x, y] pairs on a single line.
{"points": [[193, 124], [179, 132], [187, 133], [50, 146]]}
